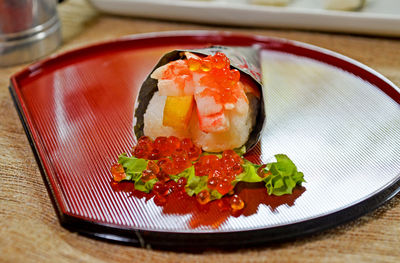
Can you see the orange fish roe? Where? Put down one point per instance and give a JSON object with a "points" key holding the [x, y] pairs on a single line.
{"points": [[220, 171], [172, 155], [261, 172], [203, 197], [236, 203], [169, 156], [118, 172], [143, 148], [221, 80]]}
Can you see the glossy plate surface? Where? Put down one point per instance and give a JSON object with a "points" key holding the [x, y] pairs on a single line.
{"points": [[337, 119]]}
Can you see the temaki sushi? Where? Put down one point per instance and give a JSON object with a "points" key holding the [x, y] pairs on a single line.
{"points": [[213, 96], [211, 99]]}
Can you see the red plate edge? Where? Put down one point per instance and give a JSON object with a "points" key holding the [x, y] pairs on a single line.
{"points": [[228, 38], [184, 37]]}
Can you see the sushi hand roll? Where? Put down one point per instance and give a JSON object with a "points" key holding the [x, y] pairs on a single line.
{"points": [[198, 94]]}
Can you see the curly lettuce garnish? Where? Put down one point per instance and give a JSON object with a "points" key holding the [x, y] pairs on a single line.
{"points": [[280, 177]]}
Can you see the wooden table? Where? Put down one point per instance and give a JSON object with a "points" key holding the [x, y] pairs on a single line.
{"points": [[30, 231]]}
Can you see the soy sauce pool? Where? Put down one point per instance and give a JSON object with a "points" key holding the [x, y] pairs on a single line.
{"points": [[213, 214]]}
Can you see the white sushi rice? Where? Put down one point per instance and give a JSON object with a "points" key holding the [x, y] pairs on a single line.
{"points": [[237, 135]]}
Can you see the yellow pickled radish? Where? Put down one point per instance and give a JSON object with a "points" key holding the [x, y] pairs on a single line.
{"points": [[177, 111]]}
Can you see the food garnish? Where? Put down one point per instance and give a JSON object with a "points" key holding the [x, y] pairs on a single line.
{"points": [[168, 165]]}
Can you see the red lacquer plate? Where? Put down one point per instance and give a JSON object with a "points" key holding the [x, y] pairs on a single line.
{"points": [[334, 117]]}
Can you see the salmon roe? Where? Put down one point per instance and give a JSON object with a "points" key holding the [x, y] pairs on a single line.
{"points": [[223, 82], [118, 172], [220, 171], [169, 156], [236, 203]]}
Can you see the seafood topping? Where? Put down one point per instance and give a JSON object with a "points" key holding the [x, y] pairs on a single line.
{"points": [[211, 83], [169, 164]]}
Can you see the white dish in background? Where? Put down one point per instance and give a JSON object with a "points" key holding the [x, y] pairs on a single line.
{"points": [[378, 17]]}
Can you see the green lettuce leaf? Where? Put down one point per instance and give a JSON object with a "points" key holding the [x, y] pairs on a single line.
{"points": [[240, 151], [133, 169], [283, 176], [186, 174], [145, 186], [282, 179], [133, 166], [196, 184], [214, 195], [249, 173]]}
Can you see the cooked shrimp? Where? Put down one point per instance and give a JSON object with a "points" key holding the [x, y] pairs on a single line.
{"points": [[216, 88]]}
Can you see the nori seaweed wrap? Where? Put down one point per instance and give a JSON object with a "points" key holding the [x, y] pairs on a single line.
{"points": [[244, 59]]}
